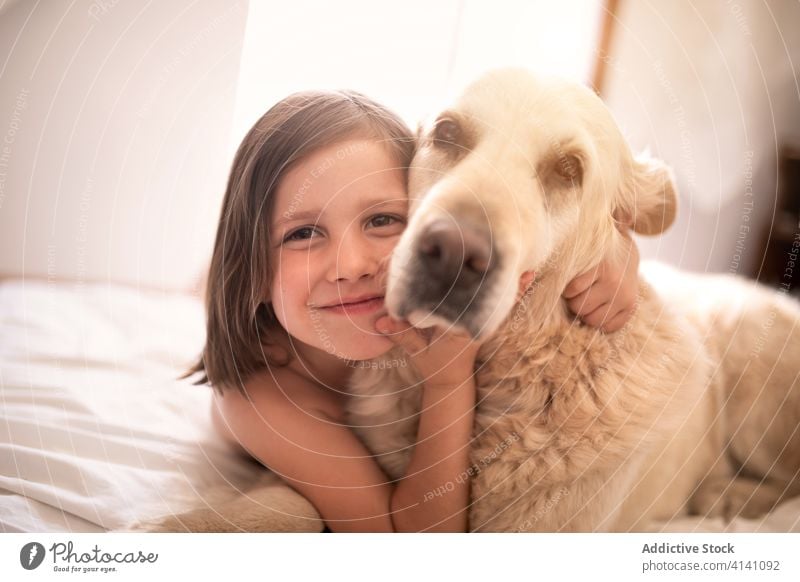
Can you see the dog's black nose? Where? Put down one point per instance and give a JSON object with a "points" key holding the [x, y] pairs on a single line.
{"points": [[452, 252]]}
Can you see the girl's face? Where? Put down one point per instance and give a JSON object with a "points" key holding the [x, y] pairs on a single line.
{"points": [[338, 214]]}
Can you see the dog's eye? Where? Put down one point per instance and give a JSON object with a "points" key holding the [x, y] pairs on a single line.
{"points": [[446, 131], [568, 167]]}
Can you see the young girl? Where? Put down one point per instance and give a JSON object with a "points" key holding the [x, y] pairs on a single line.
{"points": [[315, 203]]}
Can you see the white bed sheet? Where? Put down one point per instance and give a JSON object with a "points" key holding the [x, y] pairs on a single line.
{"points": [[96, 432]]}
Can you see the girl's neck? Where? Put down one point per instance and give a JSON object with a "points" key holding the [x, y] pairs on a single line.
{"points": [[317, 366]]}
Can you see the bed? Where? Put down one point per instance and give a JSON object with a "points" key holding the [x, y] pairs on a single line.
{"points": [[97, 434]]}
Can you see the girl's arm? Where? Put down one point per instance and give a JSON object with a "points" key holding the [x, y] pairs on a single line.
{"points": [[435, 492], [283, 427]]}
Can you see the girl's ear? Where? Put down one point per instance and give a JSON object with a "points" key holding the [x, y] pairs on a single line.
{"points": [[647, 199]]}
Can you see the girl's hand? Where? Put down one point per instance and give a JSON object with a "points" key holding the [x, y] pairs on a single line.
{"points": [[605, 297], [443, 359]]}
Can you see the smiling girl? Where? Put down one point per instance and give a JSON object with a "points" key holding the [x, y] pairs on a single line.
{"points": [[315, 203]]}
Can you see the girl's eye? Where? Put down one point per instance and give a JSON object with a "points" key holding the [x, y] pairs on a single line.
{"points": [[300, 234], [381, 220], [307, 232]]}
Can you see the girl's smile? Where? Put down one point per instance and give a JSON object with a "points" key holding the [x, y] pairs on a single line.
{"points": [[355, 307]]}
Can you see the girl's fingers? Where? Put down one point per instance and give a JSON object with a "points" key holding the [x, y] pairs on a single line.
{"points": [[525, 281], [600, 315], [385, 325], [617, 322], [588, 301], [393, 329], [401, 333], [582, 283]]}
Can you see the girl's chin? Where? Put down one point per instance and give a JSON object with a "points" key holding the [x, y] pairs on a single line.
{"points": [[371, 346]]}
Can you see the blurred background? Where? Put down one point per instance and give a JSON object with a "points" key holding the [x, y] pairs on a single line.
{"points": [[119, 119]]}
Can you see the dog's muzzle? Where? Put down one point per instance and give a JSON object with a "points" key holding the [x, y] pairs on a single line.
{"points": [[449, 274]]}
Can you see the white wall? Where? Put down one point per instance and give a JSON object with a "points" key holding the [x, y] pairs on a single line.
{"points": [[122, 117], [115, 120], [407, 55], [711, 87], [118, 120]]}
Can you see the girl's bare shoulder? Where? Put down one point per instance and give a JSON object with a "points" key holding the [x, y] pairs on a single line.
{"points": [[285, 386], [289, 426]]}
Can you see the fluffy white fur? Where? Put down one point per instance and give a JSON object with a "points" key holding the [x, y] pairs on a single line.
{"points": [[683, 410]]}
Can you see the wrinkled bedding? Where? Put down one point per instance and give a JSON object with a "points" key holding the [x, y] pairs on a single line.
{"points": [[96, 433]]}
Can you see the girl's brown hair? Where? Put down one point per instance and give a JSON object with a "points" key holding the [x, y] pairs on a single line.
{"points": [[238, 321]]}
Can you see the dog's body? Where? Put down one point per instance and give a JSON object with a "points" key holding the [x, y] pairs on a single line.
{"points": [[577, 430]]}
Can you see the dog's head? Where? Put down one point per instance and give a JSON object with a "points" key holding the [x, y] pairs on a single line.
{"points": [[518, 174]]}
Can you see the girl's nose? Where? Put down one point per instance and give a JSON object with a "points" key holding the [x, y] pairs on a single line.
{"points": [[353, 257]]}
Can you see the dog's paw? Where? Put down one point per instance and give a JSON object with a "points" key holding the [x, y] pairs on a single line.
{"points": [[741, 497], [751, 499]]}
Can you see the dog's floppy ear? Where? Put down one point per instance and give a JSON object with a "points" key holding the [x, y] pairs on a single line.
{"points": [[647, 199]]}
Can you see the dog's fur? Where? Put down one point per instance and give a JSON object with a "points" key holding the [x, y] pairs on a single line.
{"points": [[692, 406]]}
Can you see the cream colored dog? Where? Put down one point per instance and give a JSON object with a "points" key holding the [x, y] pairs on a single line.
{"points": [[693, 406]]}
